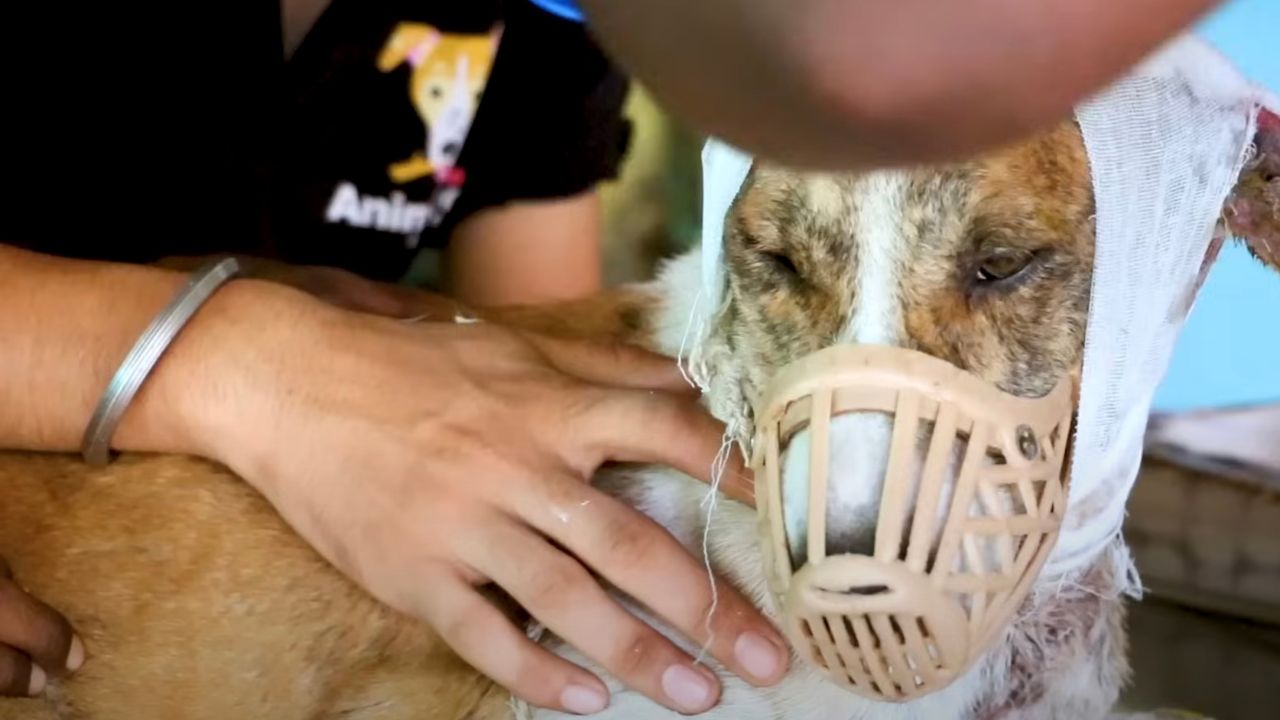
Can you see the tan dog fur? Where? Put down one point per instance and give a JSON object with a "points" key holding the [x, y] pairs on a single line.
{"points": [[196, 601]]}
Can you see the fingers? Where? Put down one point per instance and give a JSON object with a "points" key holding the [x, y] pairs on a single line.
{"points": [[560, 593], [31, 630], [18, 677], [487, 640], [613, 364], [636, 426], [35, 629], [644, 561]]}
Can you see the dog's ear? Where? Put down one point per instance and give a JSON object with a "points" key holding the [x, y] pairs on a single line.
{"points": [[1252, 211], [409, 41]]}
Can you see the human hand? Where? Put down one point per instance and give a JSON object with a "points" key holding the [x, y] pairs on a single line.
{"points": [[426, 460], [34, 641]]}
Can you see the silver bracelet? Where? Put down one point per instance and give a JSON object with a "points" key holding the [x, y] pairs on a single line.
{"points": [[138, 364]]}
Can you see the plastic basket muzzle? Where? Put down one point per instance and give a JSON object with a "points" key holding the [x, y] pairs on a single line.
{"points": [[957, 544]]}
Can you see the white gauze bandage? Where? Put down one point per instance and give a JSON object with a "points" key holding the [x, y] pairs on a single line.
{"points": [[1166, 145], [724, 169]]}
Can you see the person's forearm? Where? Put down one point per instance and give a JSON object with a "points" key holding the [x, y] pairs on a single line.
{"points": [[528, 252], [66, 327], [841, 84]]}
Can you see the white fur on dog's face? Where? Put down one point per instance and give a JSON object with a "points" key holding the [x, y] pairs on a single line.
{"points": [[859, 442]]}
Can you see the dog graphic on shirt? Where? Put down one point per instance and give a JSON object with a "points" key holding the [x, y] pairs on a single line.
{"points": [[450, 71]]}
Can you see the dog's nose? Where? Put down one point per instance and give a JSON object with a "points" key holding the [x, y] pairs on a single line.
{"points": [[451, 150]]}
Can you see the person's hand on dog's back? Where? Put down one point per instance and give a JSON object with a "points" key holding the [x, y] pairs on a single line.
{"points": [[35, 641], [422, 460]]}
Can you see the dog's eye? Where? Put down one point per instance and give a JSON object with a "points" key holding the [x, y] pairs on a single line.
{"points": [[436, 92], [1003, 265]]}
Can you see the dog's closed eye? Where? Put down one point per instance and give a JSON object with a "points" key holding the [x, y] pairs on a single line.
{"points": [[783, 262], [774, 257]]}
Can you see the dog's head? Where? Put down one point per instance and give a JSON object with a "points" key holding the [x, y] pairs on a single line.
{"points": [[985, 264], [449, 74]]}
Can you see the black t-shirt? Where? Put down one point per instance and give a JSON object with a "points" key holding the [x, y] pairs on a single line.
{"points": [[144, 129]]}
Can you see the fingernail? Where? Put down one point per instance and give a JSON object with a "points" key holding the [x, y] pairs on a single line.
{"points": [[75, 656], [759, 657], [583, 700], [688, 689], [36, 685]]}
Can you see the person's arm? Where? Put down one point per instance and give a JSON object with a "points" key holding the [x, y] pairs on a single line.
{"points": [[842, 84], [528, 252], [66, 327], [422, 460]]}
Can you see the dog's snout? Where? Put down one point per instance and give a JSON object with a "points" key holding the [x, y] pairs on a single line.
{"points": [[858, 458], [450, 150]]}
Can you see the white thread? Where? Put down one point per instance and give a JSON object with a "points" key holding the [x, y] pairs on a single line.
{"points": [[718, 467], [681, 358]]}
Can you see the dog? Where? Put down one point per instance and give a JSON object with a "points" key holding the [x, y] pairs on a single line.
{"points": [[196, 601], [449, 75]]}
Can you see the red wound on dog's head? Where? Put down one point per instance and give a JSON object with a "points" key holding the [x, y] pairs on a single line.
{"points": [[1252, 212], [1267, 140], [1268, 120]]}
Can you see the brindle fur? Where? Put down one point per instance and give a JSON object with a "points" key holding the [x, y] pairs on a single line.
{"points": [[1023, 337], [196, 601]]}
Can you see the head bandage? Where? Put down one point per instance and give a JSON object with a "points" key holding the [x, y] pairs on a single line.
{"points": [[1165, 144]]}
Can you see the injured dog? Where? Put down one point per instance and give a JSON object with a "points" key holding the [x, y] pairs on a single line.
{"points": [[196, 600]]}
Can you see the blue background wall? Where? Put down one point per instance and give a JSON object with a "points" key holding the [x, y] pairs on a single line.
{"points": [[1229, 353]]}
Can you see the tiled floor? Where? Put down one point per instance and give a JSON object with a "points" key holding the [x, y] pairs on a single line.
{"points": [[1219, 667]]}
